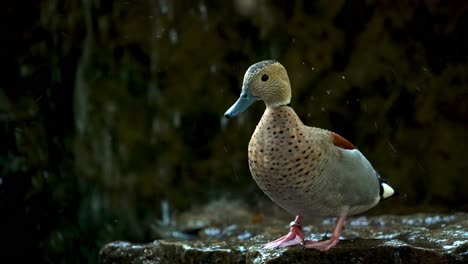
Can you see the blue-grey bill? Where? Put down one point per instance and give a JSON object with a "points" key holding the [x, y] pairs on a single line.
{"points": [[245, 100]]}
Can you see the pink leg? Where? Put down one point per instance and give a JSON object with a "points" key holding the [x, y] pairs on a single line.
{"points": [[294, 236], [327, 244]]}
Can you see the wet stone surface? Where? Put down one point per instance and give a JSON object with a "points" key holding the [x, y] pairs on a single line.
{"points": [[416, 238]]}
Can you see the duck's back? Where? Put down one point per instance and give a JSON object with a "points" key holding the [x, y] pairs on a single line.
{"points": [[291, 163]]}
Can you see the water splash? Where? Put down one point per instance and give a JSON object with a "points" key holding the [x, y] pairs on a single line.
{"points": [[244, 236], [212, 231]]}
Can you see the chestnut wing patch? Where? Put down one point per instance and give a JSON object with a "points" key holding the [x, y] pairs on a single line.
{"points": [[341, 142]]}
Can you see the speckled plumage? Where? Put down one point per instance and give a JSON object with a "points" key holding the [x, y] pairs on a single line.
{"points": [[288, 160], [307, 171]]}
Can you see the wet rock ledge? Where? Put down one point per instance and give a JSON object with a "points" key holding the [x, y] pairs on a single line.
{"points": [[417, 238]]}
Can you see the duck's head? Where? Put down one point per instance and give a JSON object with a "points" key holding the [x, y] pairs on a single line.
{"points": [[267, 81]]}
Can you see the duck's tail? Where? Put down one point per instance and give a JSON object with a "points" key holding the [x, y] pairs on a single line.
{"points": [[387, 191]]}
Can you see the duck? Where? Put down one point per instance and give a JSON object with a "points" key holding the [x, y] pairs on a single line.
{"points": [[307, 171]]}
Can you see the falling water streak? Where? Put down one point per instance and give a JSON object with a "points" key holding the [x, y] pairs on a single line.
{"points": [[246, 7], [364, 107], [166, 8], [165, 214], [176, 119], [203, 11], [96, 204], [213, 68], [391, 146], [223, 122], [420, 165], [173, 36], [107, 157], [81, 92], [161, 10], [235, 169], [241, 120]]}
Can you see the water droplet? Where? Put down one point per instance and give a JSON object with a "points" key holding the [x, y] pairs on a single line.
{"points": [[343, 77], [329, 92], [312, 68]]}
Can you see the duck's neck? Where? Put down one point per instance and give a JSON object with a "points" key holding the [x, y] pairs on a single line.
{"points": [[275, 104], [281, 117]]}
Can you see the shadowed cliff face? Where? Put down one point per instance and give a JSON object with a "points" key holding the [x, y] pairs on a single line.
{"points": [[110, 110]]}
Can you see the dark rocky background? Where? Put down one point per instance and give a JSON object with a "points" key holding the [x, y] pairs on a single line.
{"points": [[110, 110]]}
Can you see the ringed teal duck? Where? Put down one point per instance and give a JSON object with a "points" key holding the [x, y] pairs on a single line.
{"points": [[307, 171]]}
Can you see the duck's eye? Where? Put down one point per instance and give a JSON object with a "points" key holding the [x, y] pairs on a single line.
{"points": [[265, 77]]}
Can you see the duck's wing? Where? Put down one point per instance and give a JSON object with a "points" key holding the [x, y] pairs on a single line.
{"points": [[341, 142]]}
